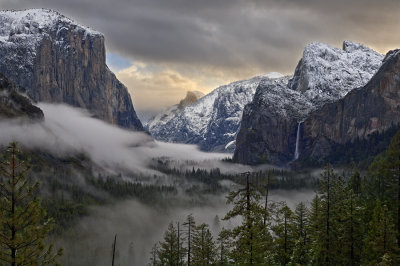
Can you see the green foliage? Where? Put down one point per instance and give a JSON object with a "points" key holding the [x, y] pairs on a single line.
{"points": [[224, 246], [251, 239], [380, 241], [300, 235], [352, 220], [284, 231], [171, 250], [23, 222], [204, 249]]}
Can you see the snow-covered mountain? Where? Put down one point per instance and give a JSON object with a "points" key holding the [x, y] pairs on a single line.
{"points": [[271, 122], [325, 73], [213, 121], [57, 60]]}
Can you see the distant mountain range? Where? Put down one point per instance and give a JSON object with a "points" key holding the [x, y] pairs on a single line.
{"points": [[272, 123], [211, 122], [335, 96]]}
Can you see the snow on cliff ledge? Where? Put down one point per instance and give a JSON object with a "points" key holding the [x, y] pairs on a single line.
{"points": [[35, 21], [325, 74], [213, 121]]}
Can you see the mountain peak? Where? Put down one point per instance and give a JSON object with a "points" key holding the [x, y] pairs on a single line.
{"points": [[349, 46], [343, 70], [35, 21], [191, 97], [58, 60], [274, 75]]}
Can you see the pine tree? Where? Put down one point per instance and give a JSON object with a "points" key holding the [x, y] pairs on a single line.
{"points": [[24, 225], [190, 225], [300, 234], [251, 238], [393, 164], [154, 260], [224, 247], [380, 241], [284, 235], [315, 228], [326, 244], [204, 249], [171, 250]]}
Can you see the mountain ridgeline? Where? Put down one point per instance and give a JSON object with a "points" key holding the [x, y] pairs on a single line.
{"points": [[266, 119], [14, 105], [345, 96], [57, 60], [210, 122]]}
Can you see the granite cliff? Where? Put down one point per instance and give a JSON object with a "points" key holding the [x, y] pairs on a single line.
{"points": [[212, 121], [272, 127], [57, 60], [372, 108]]}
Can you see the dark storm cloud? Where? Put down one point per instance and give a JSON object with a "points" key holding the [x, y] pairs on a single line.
{"points": [[231, 34]]}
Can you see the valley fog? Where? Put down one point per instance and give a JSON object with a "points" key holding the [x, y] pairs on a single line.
{"points": [[67, 131], [138, 226]]}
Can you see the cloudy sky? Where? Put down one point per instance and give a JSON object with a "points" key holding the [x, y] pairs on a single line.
{"points": [[162, 48]]}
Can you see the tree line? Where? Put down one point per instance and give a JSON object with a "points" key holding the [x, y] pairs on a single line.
{"points": [[351, 220]]}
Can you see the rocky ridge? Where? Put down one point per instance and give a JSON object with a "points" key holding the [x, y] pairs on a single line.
{"points": [[272, 122], [211, 122], [57, 60], [374, 107]]}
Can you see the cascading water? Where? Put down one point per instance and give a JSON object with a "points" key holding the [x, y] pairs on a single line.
{"points": [[296, 151]]}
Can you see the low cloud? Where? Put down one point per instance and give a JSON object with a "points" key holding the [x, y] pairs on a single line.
{"points": [[67, 130], [138, 227]]}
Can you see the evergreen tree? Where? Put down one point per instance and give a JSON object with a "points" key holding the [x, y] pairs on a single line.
{"points": [[251, 238], [380, 241], [393, 165], [326, 244], [24, 225], [154, 260], [190, 225], [224, 247], [284, 235], [300, 234], [171, 251], [351, 229], [203, 250]]}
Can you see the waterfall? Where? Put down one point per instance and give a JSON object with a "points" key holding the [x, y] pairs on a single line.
{"points": [[296, 151]]}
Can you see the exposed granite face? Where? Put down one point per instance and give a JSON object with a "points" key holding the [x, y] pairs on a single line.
{"points": [[191, 97], [14, 105], [267, 132], [280, 110], [211, 122], [374, 107], [57, 60]]}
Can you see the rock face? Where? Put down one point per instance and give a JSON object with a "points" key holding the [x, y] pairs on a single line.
{"points": [[191, 97], [273, 120], [57, 60], [374, 107], [14, 105], [211, 122]]}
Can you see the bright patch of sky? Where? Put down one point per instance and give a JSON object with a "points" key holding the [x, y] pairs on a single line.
{"points": [[116, 62]]}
